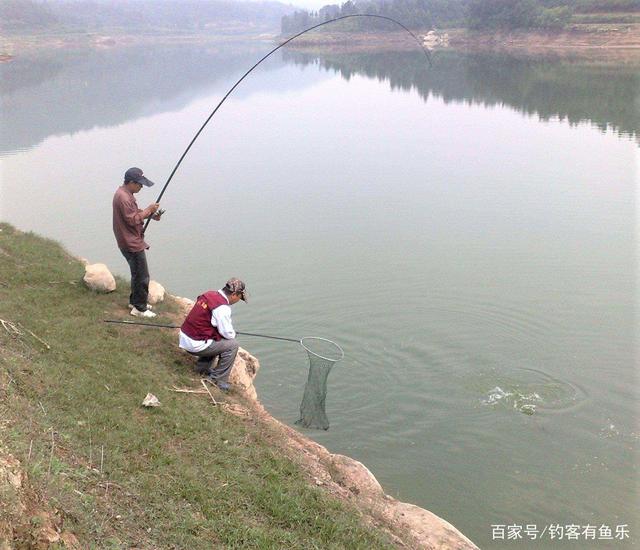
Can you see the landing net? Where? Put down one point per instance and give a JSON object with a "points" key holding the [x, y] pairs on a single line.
{"points": [[323, 354]]}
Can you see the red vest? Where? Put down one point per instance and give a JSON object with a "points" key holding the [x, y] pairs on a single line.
{"points": [[198, 325]]}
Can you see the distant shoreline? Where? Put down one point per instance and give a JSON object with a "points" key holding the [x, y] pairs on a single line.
{"points": [[16, 45], [616, 43], [600, 43]]}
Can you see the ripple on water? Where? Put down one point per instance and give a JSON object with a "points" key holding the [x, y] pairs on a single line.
{"points": [[527, 391]]}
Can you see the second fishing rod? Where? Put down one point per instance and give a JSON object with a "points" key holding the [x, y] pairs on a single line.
{"points": [[316, 346], [158, 325]]}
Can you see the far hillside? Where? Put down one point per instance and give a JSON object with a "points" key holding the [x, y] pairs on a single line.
{"points": [[146, 16], [472, 14]]}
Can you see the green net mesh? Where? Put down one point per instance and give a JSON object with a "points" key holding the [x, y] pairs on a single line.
{"points": [[323, 354]]}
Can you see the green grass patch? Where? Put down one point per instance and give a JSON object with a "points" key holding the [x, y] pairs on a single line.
{"points": [[184, 475]]}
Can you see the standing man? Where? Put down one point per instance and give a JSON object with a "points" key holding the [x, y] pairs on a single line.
{"points": [[128, 221], [208, 332]]}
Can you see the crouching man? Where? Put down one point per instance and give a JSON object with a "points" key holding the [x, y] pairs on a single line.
{"points": [[207, 332]]}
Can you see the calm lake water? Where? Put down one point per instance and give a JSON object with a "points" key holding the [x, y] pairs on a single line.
{"points": [[466, 232]]}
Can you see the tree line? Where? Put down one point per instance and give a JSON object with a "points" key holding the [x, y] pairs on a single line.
{"points": [[474, 14]]}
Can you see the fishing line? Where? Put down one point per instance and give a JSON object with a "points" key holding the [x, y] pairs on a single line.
{"points": [[426, 53]]}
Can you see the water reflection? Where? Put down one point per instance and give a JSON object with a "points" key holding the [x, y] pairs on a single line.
{"points": [[606, 95], [63, 91]]}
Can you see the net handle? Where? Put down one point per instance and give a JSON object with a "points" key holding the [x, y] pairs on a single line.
{"points": [[333, 360]]}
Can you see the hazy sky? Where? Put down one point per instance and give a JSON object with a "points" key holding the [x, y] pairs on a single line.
{"points": [[313, 4]]}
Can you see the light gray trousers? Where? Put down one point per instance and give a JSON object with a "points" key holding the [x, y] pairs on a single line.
{"points": [[227, 349]]}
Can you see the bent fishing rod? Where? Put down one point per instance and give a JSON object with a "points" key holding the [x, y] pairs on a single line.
{"points": [[157, 325], [426, 53]]}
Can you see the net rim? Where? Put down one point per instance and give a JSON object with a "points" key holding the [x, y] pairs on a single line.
{"points": [[332, 359]]}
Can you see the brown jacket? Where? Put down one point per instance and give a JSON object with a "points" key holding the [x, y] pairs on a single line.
{"points": [[128, 221]]}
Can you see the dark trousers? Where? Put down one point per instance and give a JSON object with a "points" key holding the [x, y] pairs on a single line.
{"points": [[139, 278], [226, 349]]}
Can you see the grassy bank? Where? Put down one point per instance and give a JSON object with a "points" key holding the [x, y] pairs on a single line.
{"points": [[116, 475]]}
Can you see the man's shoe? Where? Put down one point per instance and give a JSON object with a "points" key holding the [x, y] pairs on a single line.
{"points": [[202, 369], [147, 314], [149, 306], [222, 386]]}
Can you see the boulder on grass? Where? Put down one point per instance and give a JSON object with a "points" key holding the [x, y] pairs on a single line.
{"points": [[156, 293], [98, 277], [185, 304]]}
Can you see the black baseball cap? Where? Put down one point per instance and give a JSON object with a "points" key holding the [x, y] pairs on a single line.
{"points": [[135, 175]]}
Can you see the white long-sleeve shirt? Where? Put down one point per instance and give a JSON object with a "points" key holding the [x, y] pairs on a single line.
{"points": [[221, 319]]}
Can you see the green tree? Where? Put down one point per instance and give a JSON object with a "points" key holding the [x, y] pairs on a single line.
{"points": [[556, 17], [494, 14]]}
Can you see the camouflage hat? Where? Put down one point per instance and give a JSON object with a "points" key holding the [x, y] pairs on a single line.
{"points": [[236, 285]]}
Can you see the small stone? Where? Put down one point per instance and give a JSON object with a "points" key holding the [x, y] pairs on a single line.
{"points": [[49, 535], [150, 401]]}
